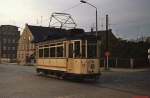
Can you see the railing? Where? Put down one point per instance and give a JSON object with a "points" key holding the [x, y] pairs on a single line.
{"points": [[126, 62]]}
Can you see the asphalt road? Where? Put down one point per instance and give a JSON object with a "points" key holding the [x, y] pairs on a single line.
{"points": [[23, 82]]}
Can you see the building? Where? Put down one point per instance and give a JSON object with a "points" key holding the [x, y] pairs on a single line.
{"points": [[30, 36], [112, 41], [9, 36], [147, 39]]}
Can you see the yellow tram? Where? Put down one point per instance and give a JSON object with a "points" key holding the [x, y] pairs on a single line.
{"points": [[69, 57]]}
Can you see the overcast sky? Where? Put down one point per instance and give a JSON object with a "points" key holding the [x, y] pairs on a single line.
{"points": [[128, 18]]}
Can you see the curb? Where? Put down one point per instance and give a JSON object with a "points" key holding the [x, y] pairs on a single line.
{"points": [[125, 70]]}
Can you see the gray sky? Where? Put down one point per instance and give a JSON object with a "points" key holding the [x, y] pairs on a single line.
{"points": [[128, 18]]}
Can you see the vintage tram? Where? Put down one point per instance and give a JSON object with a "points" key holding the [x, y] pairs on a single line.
{"points": [[69, 57]]}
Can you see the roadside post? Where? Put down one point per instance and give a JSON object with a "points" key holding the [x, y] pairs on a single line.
{"points": [[107, 54]]}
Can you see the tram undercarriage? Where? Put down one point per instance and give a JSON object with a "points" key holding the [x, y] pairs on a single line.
{"points": [[64, 75]]}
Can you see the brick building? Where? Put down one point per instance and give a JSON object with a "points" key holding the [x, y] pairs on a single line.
{"points": [[9, 36], [31, 35]]}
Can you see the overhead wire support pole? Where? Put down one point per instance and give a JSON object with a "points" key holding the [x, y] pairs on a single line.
{"points": [[82, 1], [107, 45]]}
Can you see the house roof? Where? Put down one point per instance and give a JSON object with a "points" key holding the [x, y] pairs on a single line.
{"points": [[42, 33], [9, 26], [46, 33], [102, 34]]}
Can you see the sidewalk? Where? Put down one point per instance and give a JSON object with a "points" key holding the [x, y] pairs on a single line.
{"points": [[125, 69], [9, 63]]}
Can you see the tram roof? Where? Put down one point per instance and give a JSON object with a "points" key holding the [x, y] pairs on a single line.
{"points": [[81, 37], [50, 33]]}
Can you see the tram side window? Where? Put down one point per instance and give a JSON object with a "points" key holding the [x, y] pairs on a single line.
{"points": [[71, 50], [64, 49], [77, 49], [46, 52], [52, 52], [83, 48], [40, 52], [60, 51], [91, 49]]}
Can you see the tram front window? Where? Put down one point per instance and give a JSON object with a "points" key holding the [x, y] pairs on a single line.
{"points": [[74, 49], [91, 48], [60, 51], [70, 50], [40, 53], [52, 52], [77, 49], [46, 52]]}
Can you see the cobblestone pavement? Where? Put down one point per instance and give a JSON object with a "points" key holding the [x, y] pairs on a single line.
{"points": [[22, 82]]}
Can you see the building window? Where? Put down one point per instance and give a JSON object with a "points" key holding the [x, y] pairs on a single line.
{"points": [[4, 40], [9, 40], [22, 47], [8, 55], [13, 56], [4, 48], [8, 48], [13, 48], [4, 55], [30, 46], [13, 41], [22, 55]]}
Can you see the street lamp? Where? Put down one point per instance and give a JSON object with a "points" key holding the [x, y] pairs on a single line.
{"points": [[82, 1]]}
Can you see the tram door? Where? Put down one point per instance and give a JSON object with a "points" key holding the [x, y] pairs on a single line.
{"points": [[74, 54], [70, 57]]}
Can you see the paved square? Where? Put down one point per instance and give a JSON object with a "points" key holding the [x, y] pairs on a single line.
{"points": [[22, 82]]}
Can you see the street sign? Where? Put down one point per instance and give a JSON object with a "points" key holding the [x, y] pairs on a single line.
{"points": [[107, 53]]}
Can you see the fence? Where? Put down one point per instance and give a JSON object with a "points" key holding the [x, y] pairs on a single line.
{"points": [[126, 62]]}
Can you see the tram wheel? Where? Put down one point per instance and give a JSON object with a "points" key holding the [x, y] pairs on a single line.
{"points": [[38, 71]]}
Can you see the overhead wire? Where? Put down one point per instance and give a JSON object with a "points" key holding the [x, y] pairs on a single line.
{"points": [[72, 7]]}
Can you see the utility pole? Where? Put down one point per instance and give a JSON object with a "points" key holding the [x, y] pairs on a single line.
{"points": [[107, 32], [107, 44], [96, 16], [41, 20]]}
